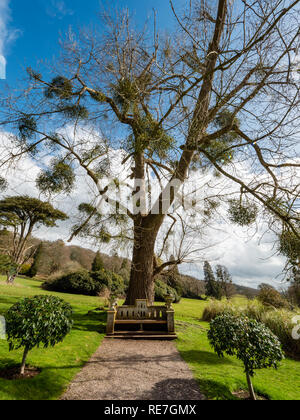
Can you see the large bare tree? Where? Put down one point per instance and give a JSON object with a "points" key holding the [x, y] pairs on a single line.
{"points": [[222, 92]]}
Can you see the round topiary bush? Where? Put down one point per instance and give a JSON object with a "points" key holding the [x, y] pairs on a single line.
{"points": [[250, 341], [40, 320]]}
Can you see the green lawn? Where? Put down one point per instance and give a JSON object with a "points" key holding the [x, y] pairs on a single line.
{"points": [[58, 364], [217, 378]]}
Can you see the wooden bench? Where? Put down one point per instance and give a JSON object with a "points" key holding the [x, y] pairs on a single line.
{"points": [[141, 321]]}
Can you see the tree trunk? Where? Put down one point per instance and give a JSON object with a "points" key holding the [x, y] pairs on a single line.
{"points": [[141, 285], [10, 278], [250, 386], [23, 365]]}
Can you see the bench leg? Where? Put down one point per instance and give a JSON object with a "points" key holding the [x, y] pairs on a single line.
{"points": [[110, 325], [170, 321]]}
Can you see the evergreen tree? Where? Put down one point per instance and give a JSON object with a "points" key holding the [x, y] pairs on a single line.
{"points": [[212, 287], [97, 263], [225, 281]]}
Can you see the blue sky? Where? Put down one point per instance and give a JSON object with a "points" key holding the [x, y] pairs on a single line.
{"points": [[29, 30]]}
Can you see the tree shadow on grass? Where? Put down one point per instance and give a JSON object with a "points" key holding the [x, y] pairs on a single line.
{"points": [[9, 300], [204, 358], [90, 322], [214, 390]]}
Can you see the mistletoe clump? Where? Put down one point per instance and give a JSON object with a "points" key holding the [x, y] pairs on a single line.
{"points": [[242, 214], [289, 245], [60, 87]]}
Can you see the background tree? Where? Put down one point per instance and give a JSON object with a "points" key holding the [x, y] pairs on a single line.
{"points": [[97, 263], [219, 94], [225, 281], [212, 287], [7, 267], [21, 214]]}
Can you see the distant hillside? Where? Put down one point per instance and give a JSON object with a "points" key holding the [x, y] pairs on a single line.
{"points": [[56, 258]]}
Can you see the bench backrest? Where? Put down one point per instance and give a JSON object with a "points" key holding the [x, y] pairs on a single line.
{"points": [[141, 310]]}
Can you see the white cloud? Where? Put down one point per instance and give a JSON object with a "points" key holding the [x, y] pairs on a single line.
{"points": [[58, 9], [7, 34]]}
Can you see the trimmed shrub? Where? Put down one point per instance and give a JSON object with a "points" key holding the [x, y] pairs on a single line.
{"points": [[108, 279], [79, 283], [41, 320], [87, 283], [162, 289], [250, 341]]}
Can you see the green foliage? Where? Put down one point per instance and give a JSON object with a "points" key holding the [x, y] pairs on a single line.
{"points": [[59, 178], [127, 93], [251, 342], [242, 214], [220, 149], [26, 126], [3, 184], [104, 236], [60, 87], [20, 209], [289, 245], [150, 136], [40, 320], [161, 290], [225, 281], [110, 280], [25, 269], [78, 283], [294, 294], [212, 287], [87, 283], [97, 263], [32, 272], [278, 321], [268, 296], [75, 112], [7, 266], [173, 280]]}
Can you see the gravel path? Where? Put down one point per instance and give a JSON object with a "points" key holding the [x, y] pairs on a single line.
{"points": [[134, 370]]}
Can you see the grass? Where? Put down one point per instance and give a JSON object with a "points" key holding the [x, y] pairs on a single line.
{"points": [[217, 378], [279, 321], [59, 364]]}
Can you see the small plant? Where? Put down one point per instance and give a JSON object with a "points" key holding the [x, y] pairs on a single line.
{"points": [[40, 320], [251, 342]]}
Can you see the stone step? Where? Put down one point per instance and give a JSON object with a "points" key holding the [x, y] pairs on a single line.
{"points": [[142, 335]]}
